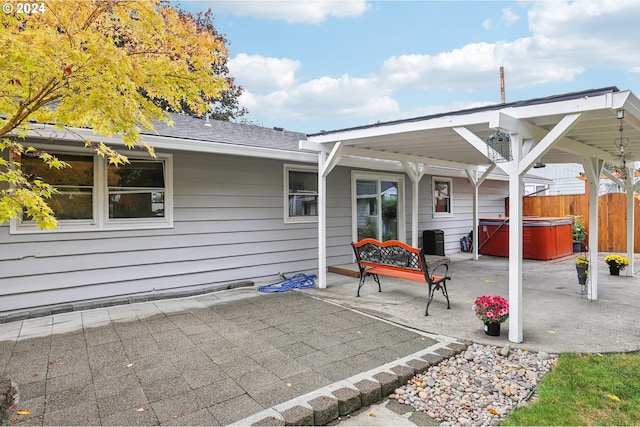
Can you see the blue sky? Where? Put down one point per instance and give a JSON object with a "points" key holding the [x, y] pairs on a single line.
{"points": [[324, 65]]}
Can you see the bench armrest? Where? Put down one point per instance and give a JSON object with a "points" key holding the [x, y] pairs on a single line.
{"points": [[441, 269]]}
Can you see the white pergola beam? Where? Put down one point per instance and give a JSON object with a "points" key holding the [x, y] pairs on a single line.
{"points": [[558, 131]]}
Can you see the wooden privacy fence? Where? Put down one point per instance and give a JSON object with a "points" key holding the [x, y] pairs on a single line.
{"points": [[612, 221]]}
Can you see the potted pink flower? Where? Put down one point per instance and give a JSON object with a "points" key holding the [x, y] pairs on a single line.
{"points": [[492, 310]]}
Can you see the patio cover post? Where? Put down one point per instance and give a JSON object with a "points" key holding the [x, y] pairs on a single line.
{"points": [[415, 171], [630, 220], [515, 241], [472, 174], [592, 170], [322, 221]]}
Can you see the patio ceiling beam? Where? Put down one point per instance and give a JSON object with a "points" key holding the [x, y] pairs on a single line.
{"points": [[564, 143], [361, 135], [401, 157], [474, 140], [545, 144], [334, 158]]}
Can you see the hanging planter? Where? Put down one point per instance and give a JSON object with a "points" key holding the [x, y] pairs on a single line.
{"points": [[582, 268], [499, 147]]}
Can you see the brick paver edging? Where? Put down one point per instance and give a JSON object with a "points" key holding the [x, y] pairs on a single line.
{"points": [[342, 398]]}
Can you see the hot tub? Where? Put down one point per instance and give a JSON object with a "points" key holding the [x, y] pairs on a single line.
{"points": [[543, 238]]}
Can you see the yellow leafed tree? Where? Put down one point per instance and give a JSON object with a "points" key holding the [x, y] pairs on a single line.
{"points": [[97, 64]]}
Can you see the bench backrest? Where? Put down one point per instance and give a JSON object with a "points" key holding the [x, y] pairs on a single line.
{"points": [[392, 253]]}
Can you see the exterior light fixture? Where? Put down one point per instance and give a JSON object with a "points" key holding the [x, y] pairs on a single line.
{"points": [[622, 145], [539, 164]]}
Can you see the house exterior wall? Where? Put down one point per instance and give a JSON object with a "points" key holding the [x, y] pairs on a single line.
{"points": [[228, 227], [490, 204]]}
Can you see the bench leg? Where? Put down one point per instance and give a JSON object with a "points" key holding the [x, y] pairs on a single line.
{"points": [[445, 293], [429, 299], [363, 276], [432, 289]]}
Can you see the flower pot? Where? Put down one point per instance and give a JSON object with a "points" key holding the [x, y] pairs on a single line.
{"points": [[582, 274], [577, 247], [492, 329], [614, 270]]}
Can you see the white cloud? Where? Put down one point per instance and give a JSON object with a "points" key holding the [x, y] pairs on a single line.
{"points": [[509, 17], [323, 97], [263, 74], [486, 24], [589, 32], [304, 11], [566, 39]]}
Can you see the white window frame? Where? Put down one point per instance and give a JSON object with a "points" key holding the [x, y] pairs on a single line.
{"points": [[296, 168], [449, 181], [101, 220], [368, 176]]}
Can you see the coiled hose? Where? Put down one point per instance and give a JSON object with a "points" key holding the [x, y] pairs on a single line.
{"points": [[299, 281]]}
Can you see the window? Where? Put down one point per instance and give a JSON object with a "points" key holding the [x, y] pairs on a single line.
{"points": [[136, 190], [94, 195], [75, 198], [301, 194], [442, 197]]}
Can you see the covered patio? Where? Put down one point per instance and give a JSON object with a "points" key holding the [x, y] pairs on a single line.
{"points": [[580, 127], [557, 316]]}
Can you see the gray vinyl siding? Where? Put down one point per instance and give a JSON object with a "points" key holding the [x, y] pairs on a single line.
{"points": [[228, 227], [490, 205]]}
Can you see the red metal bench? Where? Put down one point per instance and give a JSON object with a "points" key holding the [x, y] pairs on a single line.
{"points": [[397, 259]]}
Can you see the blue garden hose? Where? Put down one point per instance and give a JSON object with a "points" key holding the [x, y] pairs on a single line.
{"points": [[299, 281]]}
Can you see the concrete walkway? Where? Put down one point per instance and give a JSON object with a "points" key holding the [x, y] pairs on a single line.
{"points": [[557, 317], [300, 357]]}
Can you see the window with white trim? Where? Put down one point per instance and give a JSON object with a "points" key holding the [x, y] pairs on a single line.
{"points": [[93, 195], [442, 191], [301, 193]]}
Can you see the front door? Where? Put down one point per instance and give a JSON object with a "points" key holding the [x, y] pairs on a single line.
{"points": [[377, 206]]}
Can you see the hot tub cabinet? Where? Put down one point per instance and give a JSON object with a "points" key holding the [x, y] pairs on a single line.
{"points": [[543, 238]]}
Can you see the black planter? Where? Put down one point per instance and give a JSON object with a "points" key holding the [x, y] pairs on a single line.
{"points": [[492, 329], [578, 247], [614, 271], [582, 274]]}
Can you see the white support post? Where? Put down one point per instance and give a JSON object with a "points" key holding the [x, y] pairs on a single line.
{"points": [[592, 170], [630, 221], [472, 174], [415, 173], [516, 334], [322, 221]]}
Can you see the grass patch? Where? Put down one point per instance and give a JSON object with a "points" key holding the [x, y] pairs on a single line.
{"points": [[588, 390]]}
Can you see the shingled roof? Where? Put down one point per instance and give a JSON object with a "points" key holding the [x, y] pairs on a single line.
{"points": [[192, 128]]}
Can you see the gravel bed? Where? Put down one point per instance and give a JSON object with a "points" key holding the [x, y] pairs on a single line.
{"points": [[480, 386]]}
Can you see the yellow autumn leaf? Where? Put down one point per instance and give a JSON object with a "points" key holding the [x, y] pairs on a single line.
{"points": [[23, 412], [372, 415], [613, 397]]}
